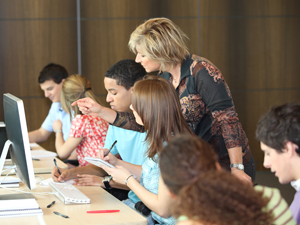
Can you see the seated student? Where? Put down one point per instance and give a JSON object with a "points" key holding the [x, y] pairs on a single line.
{"points": [[278, 132], [131, 146], [51, 79], [155, 105], [205, 194], [87, 133]]}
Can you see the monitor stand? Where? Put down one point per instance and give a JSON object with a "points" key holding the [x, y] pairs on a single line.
{"points": [[3, 155]]}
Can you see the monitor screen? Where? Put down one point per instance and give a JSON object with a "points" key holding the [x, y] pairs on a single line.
{"points": [[17, 134]]}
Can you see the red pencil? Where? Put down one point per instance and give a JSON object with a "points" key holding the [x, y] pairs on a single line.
{"points": [[104, 211]]}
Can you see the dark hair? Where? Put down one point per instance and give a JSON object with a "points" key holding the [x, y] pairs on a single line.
{"points": [[126, 72], [183, 159], [53, 72], [156, 102], [280, 125], [218, 197]]}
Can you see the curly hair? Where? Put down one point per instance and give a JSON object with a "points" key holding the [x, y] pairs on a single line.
{"points": [[218, 197], [280, 125], [183, 159], [156, 102], [126, 72]]}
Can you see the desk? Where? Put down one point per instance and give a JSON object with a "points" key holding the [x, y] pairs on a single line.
{"points": [[100, 199]]}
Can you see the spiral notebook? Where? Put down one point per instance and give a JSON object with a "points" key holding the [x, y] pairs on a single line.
{"points": [[15, 205]]}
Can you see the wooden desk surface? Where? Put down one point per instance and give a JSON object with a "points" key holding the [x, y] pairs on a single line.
{"points": [[100, 200]]}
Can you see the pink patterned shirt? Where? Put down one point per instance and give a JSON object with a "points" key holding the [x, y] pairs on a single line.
{"points": [[93, 130]]}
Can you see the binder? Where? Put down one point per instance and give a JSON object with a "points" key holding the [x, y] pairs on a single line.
{"points": [[23, 204]]}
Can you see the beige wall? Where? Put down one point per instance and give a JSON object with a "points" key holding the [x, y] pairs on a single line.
{"points": [[254, 43]]}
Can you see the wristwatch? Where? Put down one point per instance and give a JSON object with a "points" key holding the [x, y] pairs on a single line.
{"points": [[239, 166], [106, 180]]}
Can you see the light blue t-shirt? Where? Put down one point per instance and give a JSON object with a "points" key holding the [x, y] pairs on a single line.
{"points": [[56, 112], [130, 145], [150, 180]]}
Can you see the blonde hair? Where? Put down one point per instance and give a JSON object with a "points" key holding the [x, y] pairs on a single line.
{"points": [[74, 88], [162, 40]]}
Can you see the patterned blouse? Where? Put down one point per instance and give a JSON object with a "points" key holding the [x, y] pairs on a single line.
{"points": [[207, 106], [93, 130]]}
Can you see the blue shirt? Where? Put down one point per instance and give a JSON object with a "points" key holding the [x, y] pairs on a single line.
{"points": [[150, 180], [56, 112], [130, 145]]}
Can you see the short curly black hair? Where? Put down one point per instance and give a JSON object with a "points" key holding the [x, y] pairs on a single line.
{"points": [[53, 72], [126, 72], [280, 125]]}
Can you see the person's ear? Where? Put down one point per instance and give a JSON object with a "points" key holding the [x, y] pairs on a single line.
{"points": [[62, 81], [131, 90], [172, 195], [218, 166], [290, 148]]}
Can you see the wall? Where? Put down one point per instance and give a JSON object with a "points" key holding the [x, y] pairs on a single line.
{"points": [[254, 43]]}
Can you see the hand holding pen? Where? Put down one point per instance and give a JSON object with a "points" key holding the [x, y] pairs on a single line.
{"points": [[110, 148]]}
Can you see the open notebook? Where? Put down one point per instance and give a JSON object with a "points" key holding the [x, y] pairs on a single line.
{"points": [[15, 205], [98, 162]]}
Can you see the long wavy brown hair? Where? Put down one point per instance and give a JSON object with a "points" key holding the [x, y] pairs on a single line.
{"points": [[204, 194], [156, 102]]}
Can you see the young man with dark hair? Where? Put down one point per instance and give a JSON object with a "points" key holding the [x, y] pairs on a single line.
{"points": [[130, 146], [51, 79], [279, 134]]}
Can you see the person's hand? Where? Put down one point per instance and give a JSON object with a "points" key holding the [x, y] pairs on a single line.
{"points": [[242, 175], [57, 125], [110, 158], [88, 180], [119, 174], [88, 106], [65, 174]]}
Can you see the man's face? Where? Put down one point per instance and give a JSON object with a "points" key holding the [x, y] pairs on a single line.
{"points": [[52, 90], [117, 95], [278, 163]]}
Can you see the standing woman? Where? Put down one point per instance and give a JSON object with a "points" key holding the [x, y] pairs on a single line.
{"points": [[155, 106], [87, 134], [205, 98]]}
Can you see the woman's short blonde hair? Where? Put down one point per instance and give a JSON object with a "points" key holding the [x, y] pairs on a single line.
{"points": [[162, 40]]}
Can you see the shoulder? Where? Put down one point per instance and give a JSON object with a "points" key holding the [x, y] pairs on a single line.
{"points": [[267, 191]]}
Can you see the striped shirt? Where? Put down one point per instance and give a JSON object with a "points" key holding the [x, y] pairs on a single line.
{"points": [[277, 206]]}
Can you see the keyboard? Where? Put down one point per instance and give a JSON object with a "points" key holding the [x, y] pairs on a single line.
{"points": [[69, 194]]}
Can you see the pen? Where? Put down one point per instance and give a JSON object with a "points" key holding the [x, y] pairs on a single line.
{"points": [[104, 211], [59, 214], [54, 160], [51, 204], [35, 159], [110, 148]]}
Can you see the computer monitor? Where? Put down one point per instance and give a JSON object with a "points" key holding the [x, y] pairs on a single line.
{"points": [[17, 135]]}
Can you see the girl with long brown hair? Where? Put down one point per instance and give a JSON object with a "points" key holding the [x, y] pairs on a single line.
{"points": [[156, 106]]}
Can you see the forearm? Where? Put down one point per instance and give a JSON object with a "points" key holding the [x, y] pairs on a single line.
{"points": [[107, 114], [59, 146], [37, 136], [235, 155], [159, 203], [132, 168], [90, 169]]}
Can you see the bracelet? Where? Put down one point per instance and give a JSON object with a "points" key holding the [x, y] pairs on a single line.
{"points": [[126, 181], [58, 131]]}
